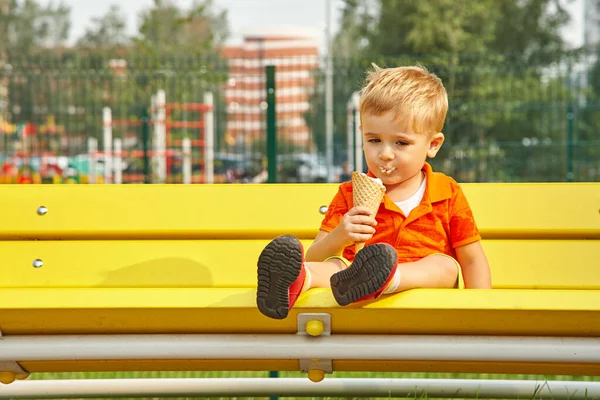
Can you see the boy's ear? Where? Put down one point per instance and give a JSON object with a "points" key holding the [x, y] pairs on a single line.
{"points": [[435, 143]]}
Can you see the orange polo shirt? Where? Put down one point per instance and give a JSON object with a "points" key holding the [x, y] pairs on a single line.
{"points": [[442, 221]]}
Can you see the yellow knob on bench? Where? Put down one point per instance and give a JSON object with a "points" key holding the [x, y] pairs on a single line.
{"points": [[316, 375], [314, 327], [22, 377], [7, 377]]}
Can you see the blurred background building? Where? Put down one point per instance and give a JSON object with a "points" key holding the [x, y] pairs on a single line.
{"points": [[295, 55]]}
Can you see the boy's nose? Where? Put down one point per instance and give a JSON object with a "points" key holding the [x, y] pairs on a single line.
{"points": [[386, 153]]}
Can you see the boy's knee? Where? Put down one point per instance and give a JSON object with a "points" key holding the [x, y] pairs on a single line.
{"points": [[340, 262], [449, 267]]}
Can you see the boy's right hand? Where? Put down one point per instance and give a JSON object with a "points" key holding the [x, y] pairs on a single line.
{"points": [[356, 226]]}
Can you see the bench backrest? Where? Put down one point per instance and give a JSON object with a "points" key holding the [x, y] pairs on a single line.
{"points": [[535, 235]]}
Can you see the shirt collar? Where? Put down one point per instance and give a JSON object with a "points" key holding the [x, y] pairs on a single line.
{"points": [[438, 185]]}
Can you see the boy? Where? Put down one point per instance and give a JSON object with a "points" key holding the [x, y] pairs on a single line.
{"points": [[424, 232]]}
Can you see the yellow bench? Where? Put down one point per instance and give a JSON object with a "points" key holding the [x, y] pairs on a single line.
{"points": [[162, 277]]}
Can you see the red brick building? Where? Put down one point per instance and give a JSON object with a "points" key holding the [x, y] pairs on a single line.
{"points": [[295, 55]]}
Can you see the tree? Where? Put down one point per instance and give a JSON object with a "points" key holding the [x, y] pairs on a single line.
{"points": [[108, 31], [167, 28], [529, 27], [32, 28], [5, 14], [586, 110], [493, 57], [54, 25]]}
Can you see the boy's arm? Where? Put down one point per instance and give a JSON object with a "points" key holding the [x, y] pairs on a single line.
{"points": [[342, 226], [474, 266], [466, 241], [325, 245], [355, 226]]}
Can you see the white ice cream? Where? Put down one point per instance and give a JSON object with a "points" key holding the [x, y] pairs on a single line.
{"points": [[377, 180]]}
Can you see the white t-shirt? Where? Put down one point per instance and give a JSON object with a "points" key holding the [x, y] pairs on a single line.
{"points": [[413, 201]]}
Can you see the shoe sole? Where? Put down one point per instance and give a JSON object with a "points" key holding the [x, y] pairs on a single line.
{"points": [[279, 265], [370, 269]]}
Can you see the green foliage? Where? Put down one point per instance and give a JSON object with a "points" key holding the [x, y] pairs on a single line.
{"points": [[166, 28], [504, 65], [29, 27], [108, 31]]}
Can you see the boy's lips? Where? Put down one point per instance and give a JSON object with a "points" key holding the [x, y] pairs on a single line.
{"points": [[388, 170]]}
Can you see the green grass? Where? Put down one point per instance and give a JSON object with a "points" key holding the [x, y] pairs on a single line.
{"points": [[284, 374]]}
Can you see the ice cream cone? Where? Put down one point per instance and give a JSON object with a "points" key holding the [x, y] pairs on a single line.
{"points": [[368, 193]]}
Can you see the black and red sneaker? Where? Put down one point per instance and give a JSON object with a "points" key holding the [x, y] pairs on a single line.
{"points": [[281, 276], [367, 277]]}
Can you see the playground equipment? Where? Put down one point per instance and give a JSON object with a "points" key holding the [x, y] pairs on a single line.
{"points": [[31, 142], [162, 277], [162, 145]]}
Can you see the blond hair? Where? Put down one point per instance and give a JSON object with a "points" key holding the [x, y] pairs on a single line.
{"points": [[409, 92]]}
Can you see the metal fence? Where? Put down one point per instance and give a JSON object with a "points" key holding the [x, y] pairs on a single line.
{"points": [[508, 120]]}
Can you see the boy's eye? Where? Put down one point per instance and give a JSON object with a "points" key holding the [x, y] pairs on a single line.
{"points": [[401, 143], [373, 140]]}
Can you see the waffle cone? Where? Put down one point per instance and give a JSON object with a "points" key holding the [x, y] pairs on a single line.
{"points": [[368, 193]]}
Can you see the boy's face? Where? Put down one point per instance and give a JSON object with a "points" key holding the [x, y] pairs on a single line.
{"points": [[394, 152]]}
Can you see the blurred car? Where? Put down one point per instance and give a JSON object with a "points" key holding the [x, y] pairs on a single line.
{"points": [[305, 168]]}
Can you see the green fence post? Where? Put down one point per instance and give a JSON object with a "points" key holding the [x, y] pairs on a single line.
{"points": [[570, 135], [273, 374], [271, 125], [271, 145], [145, 138], [5, 144]]}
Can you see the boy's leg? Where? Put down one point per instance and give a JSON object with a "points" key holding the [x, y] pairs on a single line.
{"points": [[369, 274], [375, 271], [321, 272], [283, 275], [432, 271]]}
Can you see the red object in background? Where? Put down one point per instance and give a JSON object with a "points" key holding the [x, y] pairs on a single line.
{"points": [[25, 177], [29, 130]]}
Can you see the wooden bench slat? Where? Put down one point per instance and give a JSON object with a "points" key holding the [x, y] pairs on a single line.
{"points": [[424, 311], [156, 211], [545, 210], [536, 210], [540, 264]]}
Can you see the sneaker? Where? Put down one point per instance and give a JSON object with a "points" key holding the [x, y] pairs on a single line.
{"points": [[281, 276], [367, 277]]}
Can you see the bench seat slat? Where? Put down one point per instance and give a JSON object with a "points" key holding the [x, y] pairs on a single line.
{"points": [[558, 264], [421, 311], [544, 210]]}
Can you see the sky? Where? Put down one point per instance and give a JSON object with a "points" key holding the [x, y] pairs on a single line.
{"points": [[249, 14]]}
